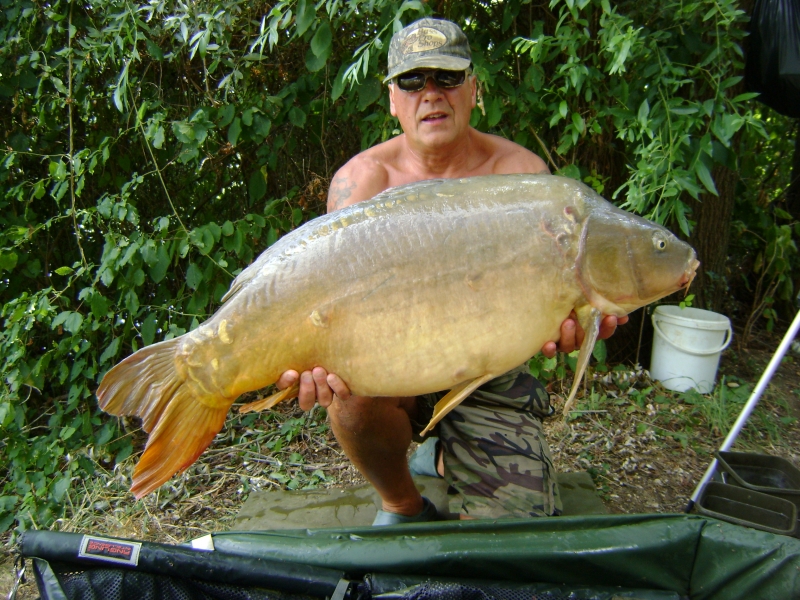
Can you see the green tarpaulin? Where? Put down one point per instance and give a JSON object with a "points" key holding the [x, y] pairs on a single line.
{"points": [[695, 556], [650, 556]]}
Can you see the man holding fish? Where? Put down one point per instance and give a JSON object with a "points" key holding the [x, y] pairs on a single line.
{"points": [[492, 449], [432, 284]]}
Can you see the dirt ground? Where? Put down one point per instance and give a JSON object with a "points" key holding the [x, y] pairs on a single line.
{"points": [[654, 471], [645, 448]]}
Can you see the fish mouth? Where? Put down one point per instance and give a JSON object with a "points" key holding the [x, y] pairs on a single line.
{"points": [[689, 274]]}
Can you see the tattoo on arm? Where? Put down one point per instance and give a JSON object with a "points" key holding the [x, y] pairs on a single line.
{"points": [[341, 189]]}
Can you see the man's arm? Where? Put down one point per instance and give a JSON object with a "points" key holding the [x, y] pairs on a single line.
{"points": [[340, 193], [359, 179]]}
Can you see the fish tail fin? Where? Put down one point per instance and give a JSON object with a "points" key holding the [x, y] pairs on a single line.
{"points": [[180, 437], [148, 385], [139, 385]]}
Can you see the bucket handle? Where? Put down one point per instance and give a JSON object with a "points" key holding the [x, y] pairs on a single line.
{"points": [[725, 343]]}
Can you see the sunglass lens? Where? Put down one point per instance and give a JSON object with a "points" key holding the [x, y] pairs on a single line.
{"points": [[411, 82], [414, 81], [449, 79]]}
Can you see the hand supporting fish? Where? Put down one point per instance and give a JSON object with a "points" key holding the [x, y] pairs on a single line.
{"points": [[431, 286]]}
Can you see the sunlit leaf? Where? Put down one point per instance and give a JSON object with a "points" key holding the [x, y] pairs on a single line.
{"points": [[321, 42], [304, 16], [110, 351], [705, 177], [148, 329]]}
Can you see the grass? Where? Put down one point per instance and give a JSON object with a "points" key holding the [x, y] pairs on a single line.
{"points": [[645, 447], [282, 449]]}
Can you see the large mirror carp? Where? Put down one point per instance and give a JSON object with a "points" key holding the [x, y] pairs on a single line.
{"points": [[435, 285]]}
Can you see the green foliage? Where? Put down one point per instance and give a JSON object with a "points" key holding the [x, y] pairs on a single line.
{"points": [[653, 80], [287, 467], [545, 368], [155, 149], [763, 233]]}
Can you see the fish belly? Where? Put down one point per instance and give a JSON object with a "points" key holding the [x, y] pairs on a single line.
{"points": [[412, 298]]}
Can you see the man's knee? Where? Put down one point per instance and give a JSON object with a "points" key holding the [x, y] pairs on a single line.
{"points": [[364, 414], [355, 413]]}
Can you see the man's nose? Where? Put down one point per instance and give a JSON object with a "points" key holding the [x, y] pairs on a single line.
{"points": [[431, 88]]}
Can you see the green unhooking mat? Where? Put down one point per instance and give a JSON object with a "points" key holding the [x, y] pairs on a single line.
{"points": [[603, 557]]}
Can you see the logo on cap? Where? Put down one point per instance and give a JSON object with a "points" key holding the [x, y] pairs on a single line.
{"points": [[424, 38]]}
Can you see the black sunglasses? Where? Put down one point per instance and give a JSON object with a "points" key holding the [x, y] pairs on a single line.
{"points": [[414, 81]]}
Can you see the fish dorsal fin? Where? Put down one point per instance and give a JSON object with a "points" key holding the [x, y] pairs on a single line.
{"points": [[453, 398], [589, 318]]}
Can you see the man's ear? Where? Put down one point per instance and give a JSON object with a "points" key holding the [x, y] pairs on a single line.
{"points": [[392, 109]]}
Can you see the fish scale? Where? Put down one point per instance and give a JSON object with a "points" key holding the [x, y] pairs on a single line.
{"points": [[435, 285]]}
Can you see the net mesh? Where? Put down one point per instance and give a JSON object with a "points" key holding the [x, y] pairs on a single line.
{"points": [[118, 584], [450, 590], [457, 591], [123, 584]]}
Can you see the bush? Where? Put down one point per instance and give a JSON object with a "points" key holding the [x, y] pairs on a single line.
{"points": [[154, 149]]}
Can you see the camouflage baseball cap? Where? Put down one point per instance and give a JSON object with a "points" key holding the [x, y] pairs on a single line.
{"points": [[428, 44]]}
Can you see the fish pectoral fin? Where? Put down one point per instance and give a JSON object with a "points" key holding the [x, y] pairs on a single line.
{"points": [[589, 318], [270, 401], [453, 398]]}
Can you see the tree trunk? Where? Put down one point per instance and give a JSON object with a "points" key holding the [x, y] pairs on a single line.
{"points": [[710, 239]]}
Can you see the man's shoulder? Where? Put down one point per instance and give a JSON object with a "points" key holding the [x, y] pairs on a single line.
{"points": [[509, 157], [378, 156], [360, 178]]}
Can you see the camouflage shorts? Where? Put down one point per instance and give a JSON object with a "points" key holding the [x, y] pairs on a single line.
{"points": [[495, 454]]}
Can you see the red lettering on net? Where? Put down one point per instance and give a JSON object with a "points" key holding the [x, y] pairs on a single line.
{"points": [[108, 548]]}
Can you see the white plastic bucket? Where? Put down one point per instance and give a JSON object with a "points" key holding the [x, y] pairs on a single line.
{"points": [[686, 347]]}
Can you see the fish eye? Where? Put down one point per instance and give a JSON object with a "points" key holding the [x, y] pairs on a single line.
{"points": [[659, 242]]}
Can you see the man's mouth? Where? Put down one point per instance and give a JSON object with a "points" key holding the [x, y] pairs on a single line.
{"points": [[434, 117]]}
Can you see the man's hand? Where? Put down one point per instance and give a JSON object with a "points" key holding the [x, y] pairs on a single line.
{"points": [[572, 334], [316, 386]]}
